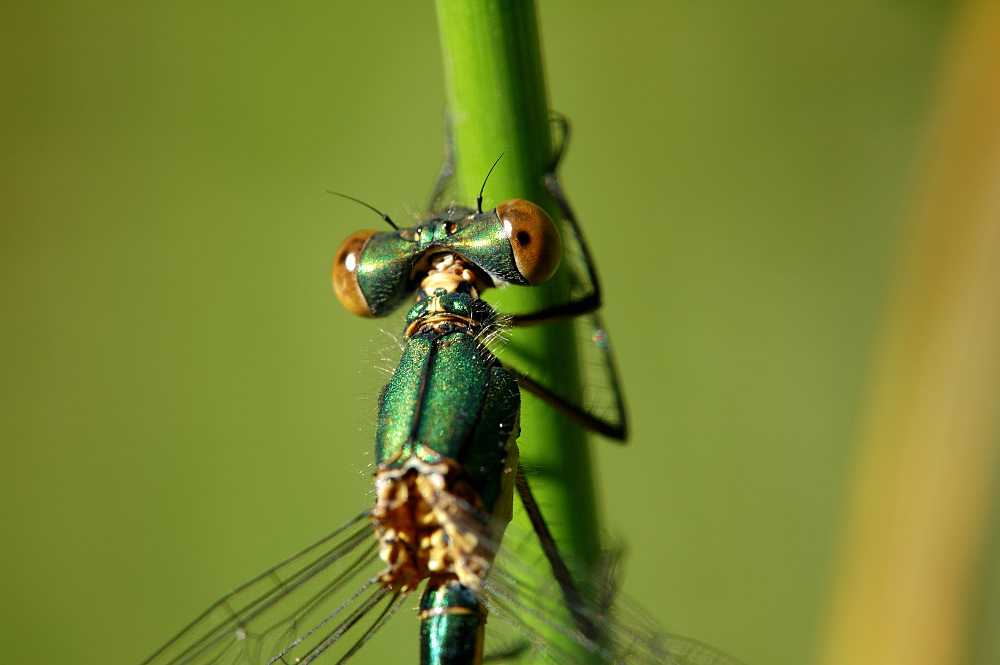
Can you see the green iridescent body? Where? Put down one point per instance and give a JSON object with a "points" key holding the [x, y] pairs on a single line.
{"points": [[449, 397], [449, 417], [449, 400]]}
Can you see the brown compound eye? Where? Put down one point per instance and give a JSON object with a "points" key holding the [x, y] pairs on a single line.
{"points": [[345, 274], [533, 237]]}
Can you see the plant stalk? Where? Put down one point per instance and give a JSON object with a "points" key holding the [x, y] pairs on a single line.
{"points": [[498, 105]]}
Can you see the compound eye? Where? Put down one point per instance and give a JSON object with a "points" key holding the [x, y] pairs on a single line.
{"points": [[533, 237], [345, 274]]}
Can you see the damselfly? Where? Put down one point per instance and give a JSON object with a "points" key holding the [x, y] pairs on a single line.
{"points": [[447, 470]]}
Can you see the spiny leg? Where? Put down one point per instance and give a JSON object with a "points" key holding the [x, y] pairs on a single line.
{"points": [[616, 429], [574, 599]]}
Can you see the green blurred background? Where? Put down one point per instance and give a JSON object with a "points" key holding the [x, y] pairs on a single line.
{"points": [[184, 402]]}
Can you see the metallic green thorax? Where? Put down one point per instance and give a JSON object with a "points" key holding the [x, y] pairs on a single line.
{"points": [[388, 268], [449, 397]]}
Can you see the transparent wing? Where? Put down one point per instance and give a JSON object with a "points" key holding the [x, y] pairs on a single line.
{"points": [[295, 610], [521, 592], [529, 613], [602, 393]]}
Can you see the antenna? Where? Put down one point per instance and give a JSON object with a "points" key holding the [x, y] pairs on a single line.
{"points": [[479, 199], [376, 210]]}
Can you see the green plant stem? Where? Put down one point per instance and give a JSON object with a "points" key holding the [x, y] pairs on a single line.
{"points": [[498, 104]]}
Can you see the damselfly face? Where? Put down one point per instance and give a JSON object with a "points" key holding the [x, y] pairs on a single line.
{"points": [[515, 243]]}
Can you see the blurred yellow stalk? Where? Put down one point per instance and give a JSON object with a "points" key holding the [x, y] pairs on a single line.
{"points": [[927, 463]]}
